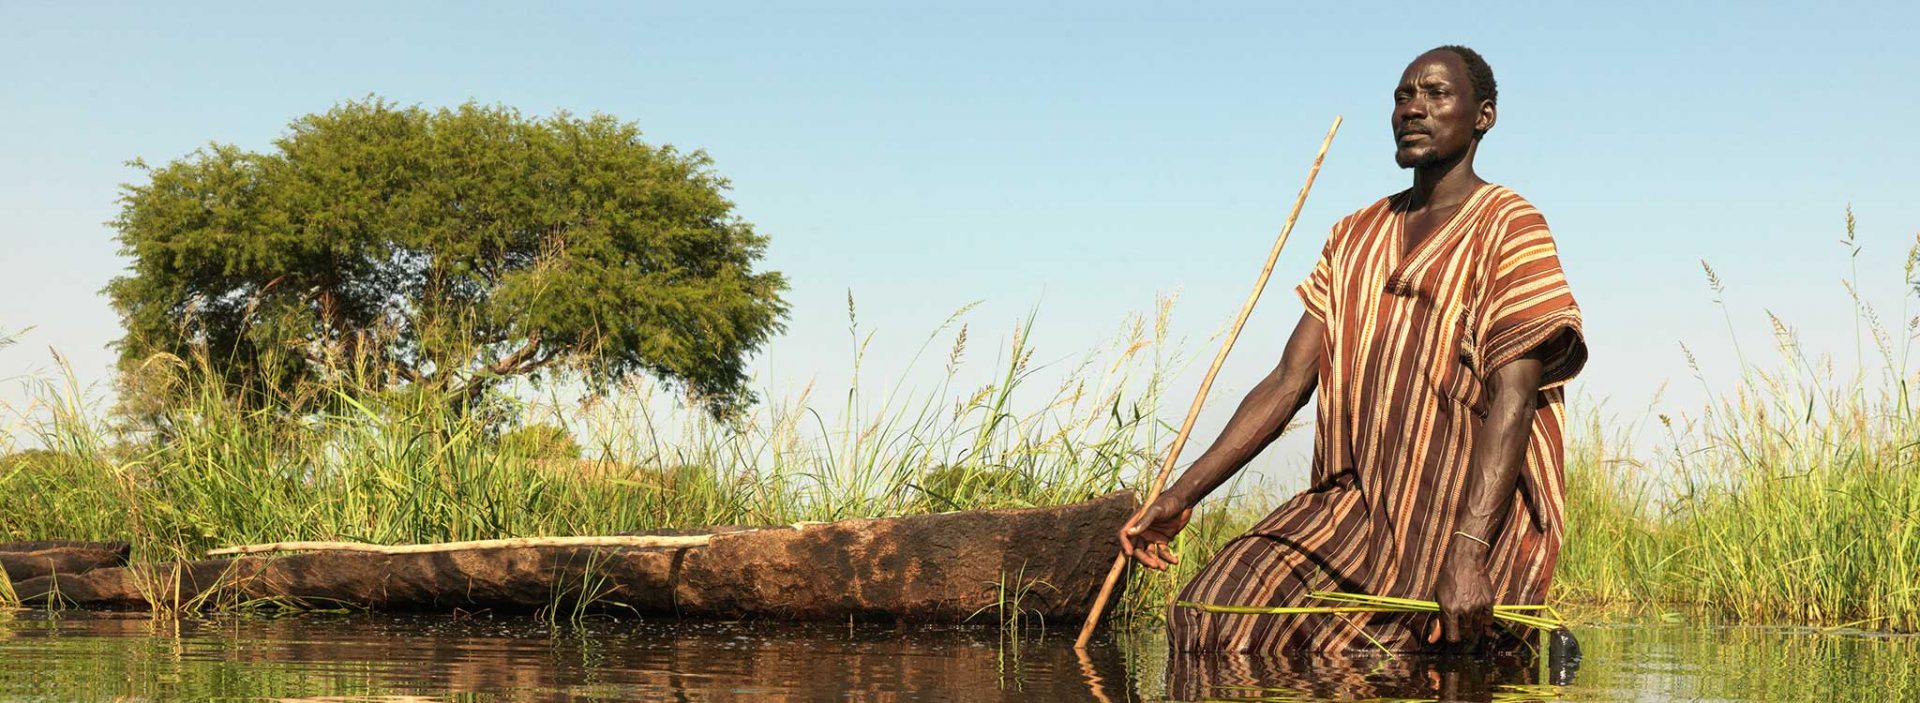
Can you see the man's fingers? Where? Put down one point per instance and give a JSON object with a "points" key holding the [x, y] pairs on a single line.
{"points": [[1141, 552], [1140, 539], [1165, 553], [1131, 529], [1148, 559], [1161, 555], [1478, 619], [1472, 625]]}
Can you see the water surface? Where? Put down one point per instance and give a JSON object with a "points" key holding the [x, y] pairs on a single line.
{"points": [[380, 657]]}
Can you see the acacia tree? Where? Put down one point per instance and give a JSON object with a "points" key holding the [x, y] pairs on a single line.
{"points": [[447, 249]]}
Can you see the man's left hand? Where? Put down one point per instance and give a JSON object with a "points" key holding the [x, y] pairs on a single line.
{"points": [[1466, 600]]}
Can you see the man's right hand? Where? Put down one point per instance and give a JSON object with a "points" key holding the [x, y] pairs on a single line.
{"points": [[1146, 536]]}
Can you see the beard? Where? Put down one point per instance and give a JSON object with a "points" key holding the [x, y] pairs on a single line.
{"points": [[1417, 159]]}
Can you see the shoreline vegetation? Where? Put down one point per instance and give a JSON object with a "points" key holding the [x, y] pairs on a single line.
{"points": [[1793, 498]]}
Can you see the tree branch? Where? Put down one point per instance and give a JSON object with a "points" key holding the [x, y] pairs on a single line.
{"points": [[510, 364]]}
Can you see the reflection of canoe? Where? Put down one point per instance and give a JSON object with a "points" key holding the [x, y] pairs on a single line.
{"points": [[930, 568], [385, 657]]}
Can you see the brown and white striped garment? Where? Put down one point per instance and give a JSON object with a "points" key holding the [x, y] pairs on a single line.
{"points": [[1411, 336]]}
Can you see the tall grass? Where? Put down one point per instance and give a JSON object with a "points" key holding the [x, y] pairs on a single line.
{"points": [[1795, 497]]}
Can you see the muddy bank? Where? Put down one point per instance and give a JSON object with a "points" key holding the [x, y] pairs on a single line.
{"points": [[932, 568]]}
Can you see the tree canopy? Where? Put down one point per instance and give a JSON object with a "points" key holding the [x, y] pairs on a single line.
{"points": [[447, 248]]}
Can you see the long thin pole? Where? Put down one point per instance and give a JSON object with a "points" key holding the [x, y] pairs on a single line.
{"points": [[1193, 411]]}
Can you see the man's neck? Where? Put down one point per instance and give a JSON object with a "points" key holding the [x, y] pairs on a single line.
{"points": [[1444, 184]]}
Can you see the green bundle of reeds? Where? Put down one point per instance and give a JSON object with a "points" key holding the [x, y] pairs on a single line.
{"points": [[1523, 615]]}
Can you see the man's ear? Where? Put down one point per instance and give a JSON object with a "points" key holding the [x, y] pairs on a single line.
{"points": [[1488, 115]]}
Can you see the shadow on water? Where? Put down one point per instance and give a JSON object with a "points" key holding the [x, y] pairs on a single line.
{"points": [[368, 657]]}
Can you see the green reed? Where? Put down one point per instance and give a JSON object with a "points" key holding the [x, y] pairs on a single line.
{"points": [[1794, 497], [9, 599]]}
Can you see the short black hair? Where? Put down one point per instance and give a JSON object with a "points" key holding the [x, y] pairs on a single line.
{"points": [[1477, 71]]}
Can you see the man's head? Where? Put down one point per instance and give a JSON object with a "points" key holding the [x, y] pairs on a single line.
{"points": [[1444, 103]]}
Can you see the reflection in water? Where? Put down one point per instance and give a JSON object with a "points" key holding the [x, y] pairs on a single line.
{"points": [[519, 658], [92, 656], [1321, 677]]}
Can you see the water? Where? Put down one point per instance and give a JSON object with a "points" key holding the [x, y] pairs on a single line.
{"points": [[367, 657]]}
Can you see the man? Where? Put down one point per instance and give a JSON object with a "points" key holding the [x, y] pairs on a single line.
{"points": [[1439, 331]]}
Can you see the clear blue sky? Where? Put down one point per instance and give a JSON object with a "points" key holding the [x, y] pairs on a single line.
{"points": [[1075, 158]]}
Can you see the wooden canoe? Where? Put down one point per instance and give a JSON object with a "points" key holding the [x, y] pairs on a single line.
{"points": [[948, 568]]}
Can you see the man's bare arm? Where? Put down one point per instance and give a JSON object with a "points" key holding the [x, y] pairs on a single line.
{"points": [[1262, 415], [1465, 590]]}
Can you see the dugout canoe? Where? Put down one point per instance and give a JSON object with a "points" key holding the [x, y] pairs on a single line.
{"points": [[942, 568], [21, 561]]}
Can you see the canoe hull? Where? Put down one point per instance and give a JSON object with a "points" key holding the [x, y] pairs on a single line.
{"points": [[953, 567], [21, 561]]}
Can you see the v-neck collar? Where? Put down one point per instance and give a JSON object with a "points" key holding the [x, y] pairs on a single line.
{"points": [[1405, 261]]}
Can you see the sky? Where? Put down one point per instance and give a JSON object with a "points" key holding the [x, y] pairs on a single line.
{"points": [[1066, 161]]}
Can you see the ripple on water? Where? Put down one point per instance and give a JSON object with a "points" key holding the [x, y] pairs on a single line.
{"points": [[78, 656]]}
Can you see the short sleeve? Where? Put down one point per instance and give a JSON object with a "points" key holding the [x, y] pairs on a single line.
{"points": [[1529, 304], [1317, 291]]}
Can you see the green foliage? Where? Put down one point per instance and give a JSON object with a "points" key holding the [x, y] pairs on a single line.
{"points": [[952, 487], [32, 460], [540, 441], [447, 248], [73, 494]]}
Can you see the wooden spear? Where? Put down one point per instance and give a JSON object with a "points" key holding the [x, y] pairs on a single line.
{"points": [[1193, 411]]}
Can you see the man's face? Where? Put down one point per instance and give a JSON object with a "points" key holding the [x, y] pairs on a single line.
{"points": [[1435, 112]]}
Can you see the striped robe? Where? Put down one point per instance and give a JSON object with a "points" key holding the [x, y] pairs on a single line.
{"points": [[1410, 339]]}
